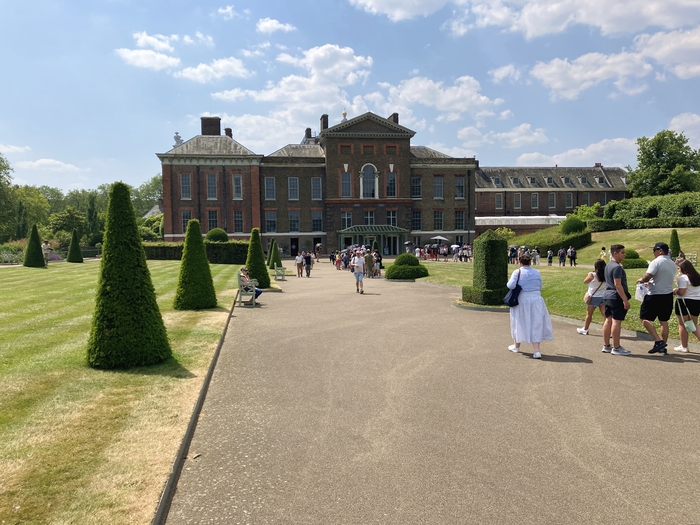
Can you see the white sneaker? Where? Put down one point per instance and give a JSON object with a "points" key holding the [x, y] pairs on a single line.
{"points": [[513, 348], [681, 348], [620, 351], [537, 355], [582, 331], [607, 349]]}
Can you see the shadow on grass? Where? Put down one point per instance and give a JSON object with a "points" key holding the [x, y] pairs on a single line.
{"points": [[170, 368]]}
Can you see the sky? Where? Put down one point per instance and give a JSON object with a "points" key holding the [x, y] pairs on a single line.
{"points": [[90, 91]]}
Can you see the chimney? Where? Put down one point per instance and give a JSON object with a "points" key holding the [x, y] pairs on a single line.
{"points": [[598, 165], [211, 126], [308, 133], [324, 122], [394, 118], [229, 132]]}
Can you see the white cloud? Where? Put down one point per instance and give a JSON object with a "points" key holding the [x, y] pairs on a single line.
{"points": [[47, 164], [451, 151], [157, 42], [499, 74], [473, 137], [678, 51], [566, 80], [147, 58], [6, 148], [199, 38], [228, 12], [256, 50], [520, 136], [398, 10], [223, 67], [331, 64], [270, 25], [505, 115], [686, 123], [609, 152]]}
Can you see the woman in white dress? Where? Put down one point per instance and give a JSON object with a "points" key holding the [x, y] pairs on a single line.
{"points": [[688, 292], [529, 321], [596, 288]]}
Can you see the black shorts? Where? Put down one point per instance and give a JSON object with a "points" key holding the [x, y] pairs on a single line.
{"points": [[654, 306], [615, 308], [691, 305]]}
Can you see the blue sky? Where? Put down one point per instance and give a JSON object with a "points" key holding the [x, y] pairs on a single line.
{"points": [[91, 90]]}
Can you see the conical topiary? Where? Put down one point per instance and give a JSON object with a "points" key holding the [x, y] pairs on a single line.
{"points": [[675, 244], [74, 253], [257, 269], [127, 328], [195, 288], [33, 256], [270, 250], [275, 257]]}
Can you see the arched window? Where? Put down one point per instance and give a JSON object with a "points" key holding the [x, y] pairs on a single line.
{"points": [[369, 182]]}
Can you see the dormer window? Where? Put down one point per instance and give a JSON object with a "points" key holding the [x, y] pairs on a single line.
{"points": [[568, 183], [497, 182], [550, 181], [516, 182], [534, 182]]}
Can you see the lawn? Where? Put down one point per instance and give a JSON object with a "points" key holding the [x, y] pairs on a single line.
{"points": [[85, 446], [640, 240]]}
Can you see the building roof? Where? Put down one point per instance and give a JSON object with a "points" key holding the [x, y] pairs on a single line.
{"points": [[424, 152], [543, 178], [300, 150], [367, 125], [210, 145]]}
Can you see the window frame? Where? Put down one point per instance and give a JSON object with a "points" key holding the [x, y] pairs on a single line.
{"points": [[291, 181], [459, 221], [345, 219], [391, 182], [438, 220], [517, 201], [417, 215], [237, 187], [317, 220], [294, 216], [534, 201], [417, 182], [270, 219], [317, 191], [182, 219], [270, 188], [343, 184], [460, 187], [238, 218], [215, 220], [551, 195], [391, 218], [569, 200], [211, 178], [369, 218], [498, 201], [184, 185], [438, 187]]}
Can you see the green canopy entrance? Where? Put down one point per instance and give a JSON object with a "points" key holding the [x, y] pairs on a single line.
{"points": [[389, 238]]}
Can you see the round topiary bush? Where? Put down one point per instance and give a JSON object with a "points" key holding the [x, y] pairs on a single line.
{"points": [[216, 235], [572, 224], [33, 256], [195, 287], [634, 263], [406, 259], [74, 253], [631, 254], [406, 272]]}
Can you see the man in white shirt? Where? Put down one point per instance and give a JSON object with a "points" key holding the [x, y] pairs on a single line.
{"points": [[358, 269], [659, 301]]}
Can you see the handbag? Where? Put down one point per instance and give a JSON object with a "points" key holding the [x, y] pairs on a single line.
{"points": [[511, 298], [689, 324], [587, 297]]}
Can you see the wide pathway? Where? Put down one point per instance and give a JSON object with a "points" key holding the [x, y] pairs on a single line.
{"points": [[396, 407]]}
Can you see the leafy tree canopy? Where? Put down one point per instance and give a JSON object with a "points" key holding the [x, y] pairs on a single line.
{"points": [[665, 164], [587, 213], [68, 220], [505, 232], [6, 199]]}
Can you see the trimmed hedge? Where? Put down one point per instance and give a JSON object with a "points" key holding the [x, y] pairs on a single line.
{"points": [[658, 206], [74, 253], [605, 225], [663, 222], [33, 257], [232, 252], [216, 235], [406, 272], [634, 263], [406, 259], [195, 287], [275, 257], [552, 238], [490, 270], [631, 254], [572, 224], [255, 262], [487, 297]]}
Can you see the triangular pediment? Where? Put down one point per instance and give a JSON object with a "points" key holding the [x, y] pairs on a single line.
{"points": [[368, 124]]}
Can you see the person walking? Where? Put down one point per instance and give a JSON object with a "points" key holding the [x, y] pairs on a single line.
{"points": [[687, 301], [299, 261], [603, 254], [562, 256], [596, 283], [616, 299], [357, 265], [659, 301], [46, 251], [529, 320], [307, 263]]}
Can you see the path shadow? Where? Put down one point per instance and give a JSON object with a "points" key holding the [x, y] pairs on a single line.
{"points": [[170, 368], [669, 358], [560, 358]]}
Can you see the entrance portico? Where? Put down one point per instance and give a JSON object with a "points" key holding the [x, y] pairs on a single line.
{"points": [[390, 239]]}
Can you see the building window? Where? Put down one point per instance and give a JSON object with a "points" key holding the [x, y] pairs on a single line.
{"points": [[345, 149], [270, 221], [391, 184], [391, 217], [459, 187], [416, 220], [186, 217], [390, 150], [316, 189], [293, 221], [368, 180], [237, 187], [369, 218], [497, 182], [345, 219], [587, 199], [345, 184], [535, 201], [416, 188], [437, 219], [211, 186], [569, 200], [552, 200], [270, 193], [603, 199], [550, 181], [213, 216], [517, 201], [185, 190], [368, 150], [499, 201], [317, 220], [459, 219], [438, 187], [293, 188], [238, 221]]}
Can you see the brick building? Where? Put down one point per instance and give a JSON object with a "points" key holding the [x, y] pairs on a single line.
{"points": [[358, 181]]}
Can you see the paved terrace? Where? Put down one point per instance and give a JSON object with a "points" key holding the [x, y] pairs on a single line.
{"points": [[396, 407]]}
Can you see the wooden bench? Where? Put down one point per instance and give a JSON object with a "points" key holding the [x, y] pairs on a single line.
{"points": [[692, 257], [280, 272], [246, 289]]}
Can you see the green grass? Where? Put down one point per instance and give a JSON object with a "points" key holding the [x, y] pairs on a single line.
{"points": [[79, 445]]}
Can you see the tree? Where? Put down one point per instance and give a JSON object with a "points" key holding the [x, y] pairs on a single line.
{"points": [[275, 258], [257, 269], [270, 252], [675, 244], [68, 220], [195, 287], [587, 213], [22, 227], [665, 164], [55, 198], [7, 200], [74, 253], [127, 328], [33, 258], [147, 195], [505, 232]]}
